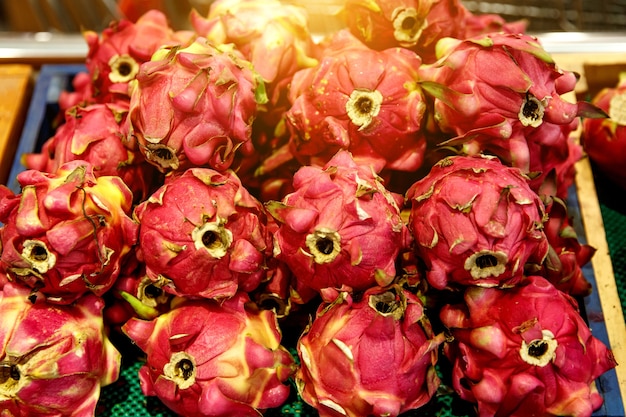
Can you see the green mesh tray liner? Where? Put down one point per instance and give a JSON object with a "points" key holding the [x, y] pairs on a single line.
{"points": [[124, 397], [613, 210]]}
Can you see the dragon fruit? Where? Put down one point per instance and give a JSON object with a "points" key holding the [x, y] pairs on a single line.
{"points": [[272, 35], [340, 228], [358, 99], [413, 24], [114, 56], [552, 166], [67, 233], [476, 222], [81, 94], [482, 112], [524, 351], [214, 359], [194, 106], [604, 140], [567, 254], [95, 134], [372, 356], [56, 369], [480, 24], [203, 235]]}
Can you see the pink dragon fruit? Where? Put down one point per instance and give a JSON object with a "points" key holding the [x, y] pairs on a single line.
{"points": [[95, 134], [524, 351], [419, 25], [476, 222], [213, 244], [214, 359], [358, 99], [413, 24], [373, 356], [67, 233], [485, 113], [81, 94], [272, 35], [194, 106], [552, 166], [115, 55], [604, 140], [56, 369], [480, 24], [567, 254], [340, 228]]}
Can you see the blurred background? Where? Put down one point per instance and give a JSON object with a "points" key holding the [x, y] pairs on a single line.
{"points": [[70, 16], [49, 31]]}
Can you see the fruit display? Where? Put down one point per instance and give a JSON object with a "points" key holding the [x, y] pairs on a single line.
{"points": [[365, 219]]}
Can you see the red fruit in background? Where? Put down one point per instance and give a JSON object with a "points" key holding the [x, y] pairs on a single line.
{"points": [[604, 140], [361, 100], [114, 56], [95, 133]]}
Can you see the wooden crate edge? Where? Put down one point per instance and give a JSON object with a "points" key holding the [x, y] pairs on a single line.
{"points": [[591, 217]]}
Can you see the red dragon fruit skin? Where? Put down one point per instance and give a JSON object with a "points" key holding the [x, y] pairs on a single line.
{"points": [[194, 106], [524, 351], [412, 24], [214, 359], [567, 254], [340, 228], [67, 233], [95, 133], [604, 140], [483, 112], [476, 222], [203, 235], [358, 99], [53, 359], [373, 356], [114, 55], [272, 35]]}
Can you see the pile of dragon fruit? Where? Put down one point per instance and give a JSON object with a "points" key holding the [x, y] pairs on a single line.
{"points": [[379, 199]]}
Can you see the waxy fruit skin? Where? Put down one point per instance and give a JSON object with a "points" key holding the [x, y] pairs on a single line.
{"points": [[67, 233], [214, 359], [476, 221], [524, 351], [371, 356], [54, 358]]}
